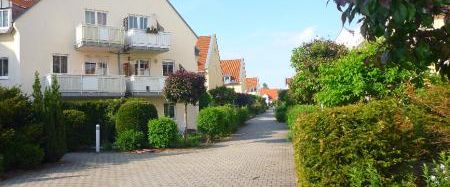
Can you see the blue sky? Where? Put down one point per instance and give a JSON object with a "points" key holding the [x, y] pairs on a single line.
{"points": [[262, 32]]}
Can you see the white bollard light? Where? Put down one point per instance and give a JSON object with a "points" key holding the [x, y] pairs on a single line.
{"points": [[97, 138]]}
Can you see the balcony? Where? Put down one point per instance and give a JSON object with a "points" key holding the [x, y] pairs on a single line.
{"points": [[5, 20], [100, 37], [141, 40], [145, 85], [90, 85]]}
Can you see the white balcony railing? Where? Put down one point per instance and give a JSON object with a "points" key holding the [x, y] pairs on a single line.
{"points": [[140, 39], [99, 36], [145, 85], [5, 20], [89, 85]]}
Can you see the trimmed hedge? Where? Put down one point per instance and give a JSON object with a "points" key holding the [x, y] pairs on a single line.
{"points": [[100, 112], [162, 133], [211, 123], [280, 112], [243, 114], [230, 119], [77, 134], [135, 114], [130, 140], [294, 111], [377, 143]]}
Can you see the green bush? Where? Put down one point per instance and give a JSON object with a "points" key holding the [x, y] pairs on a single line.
{"points": [[295, 111], [211, 122], [439, 172], [193, 140], [230, 119], [134, 115], [280, 112], [100, 112], [162, 132], [77, 132], [2, 167], [381, 140], [130, 140], [243, 115]]}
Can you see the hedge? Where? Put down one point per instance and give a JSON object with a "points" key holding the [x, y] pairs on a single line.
{"points": [[211, 122], [366, 144], [293, 112], [130, 140], [100, 112], [77, 131], [135, 114], [162, 133], [280, 112], [230, 119]]}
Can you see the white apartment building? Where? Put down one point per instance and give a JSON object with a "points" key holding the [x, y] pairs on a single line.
{"points": [[97, 48]]}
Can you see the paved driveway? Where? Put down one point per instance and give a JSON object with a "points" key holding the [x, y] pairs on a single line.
{"points": [[258, 155]]}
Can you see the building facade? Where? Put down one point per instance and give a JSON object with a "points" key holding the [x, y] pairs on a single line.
{"points": [[234, 74], [98, 48], [209, 61], [252, 85]]}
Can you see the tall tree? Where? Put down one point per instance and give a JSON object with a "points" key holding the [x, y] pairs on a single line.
{"points": [[38, 98], [306, 60], [265, 86], [408, 26], [222, 96], [185, 87]]}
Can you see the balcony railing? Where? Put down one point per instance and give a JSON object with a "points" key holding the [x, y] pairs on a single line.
{"points": [[145, 85], [89, 85], [141, 40], [99, 36], [5, 20]]}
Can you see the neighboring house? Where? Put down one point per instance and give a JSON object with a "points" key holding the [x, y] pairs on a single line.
{"points": [[234, 74], [97, 49], [270, 95], [252, 85], [209, 61], [350, 39]]}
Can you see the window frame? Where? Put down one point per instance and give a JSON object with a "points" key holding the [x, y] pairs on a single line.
{"points": [[167, 107], [96, 17], [91, 64], [60, 63], [2, 68], [166, 63], [5, 19], [140, 22]]}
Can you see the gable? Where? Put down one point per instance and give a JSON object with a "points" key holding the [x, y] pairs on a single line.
{"points": [[232, 68]]}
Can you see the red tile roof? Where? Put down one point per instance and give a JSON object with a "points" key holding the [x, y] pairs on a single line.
{"points": [[272, 93], [232, 68], [24, 3], [202, 45], [251, 83]]}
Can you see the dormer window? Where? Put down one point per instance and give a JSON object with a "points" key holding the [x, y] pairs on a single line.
{"points": [[227, 79], [4, 18]]}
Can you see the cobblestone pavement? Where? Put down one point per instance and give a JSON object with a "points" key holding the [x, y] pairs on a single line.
{"points": [[258, 155]]}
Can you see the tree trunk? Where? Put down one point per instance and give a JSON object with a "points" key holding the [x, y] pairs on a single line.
{"points": [[185, 122]]}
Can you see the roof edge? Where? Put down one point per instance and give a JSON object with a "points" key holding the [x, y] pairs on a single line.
{"points": [[179, 15]]}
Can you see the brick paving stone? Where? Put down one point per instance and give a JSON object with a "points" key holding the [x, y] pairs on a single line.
{"points": [[257, 155]]}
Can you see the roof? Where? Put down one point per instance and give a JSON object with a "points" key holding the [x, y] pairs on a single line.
{"points": [[251, 83], [272, 93], [203, 44], [20, 6], [232, 68]]}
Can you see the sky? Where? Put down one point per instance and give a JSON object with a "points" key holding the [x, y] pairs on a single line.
{"points": [[263, 32]]}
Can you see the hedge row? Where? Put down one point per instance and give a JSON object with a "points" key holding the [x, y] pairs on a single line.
{"points": [[381, 143], [221, 121]]}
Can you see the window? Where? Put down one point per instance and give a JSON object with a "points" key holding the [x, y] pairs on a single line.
{"points": [[59, 64], [226, 79], [102, 68], [137, 22], [95, 17], [3, 67], [4, 18], [167, 68], [89, 68], [169, 110], [142, 67]]}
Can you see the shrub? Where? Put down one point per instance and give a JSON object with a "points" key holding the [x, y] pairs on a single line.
{"points": [[100, 112], [243, 115], [333, 146], [211, 122], [439, 173], [162, 132], [130, 140], [280, 112], [295, 111], [205, 101], [242, 99], [22, 155], [134, 115], [230, 119], [77, 131], [193, 140], [222, 96], [2, 167]]}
